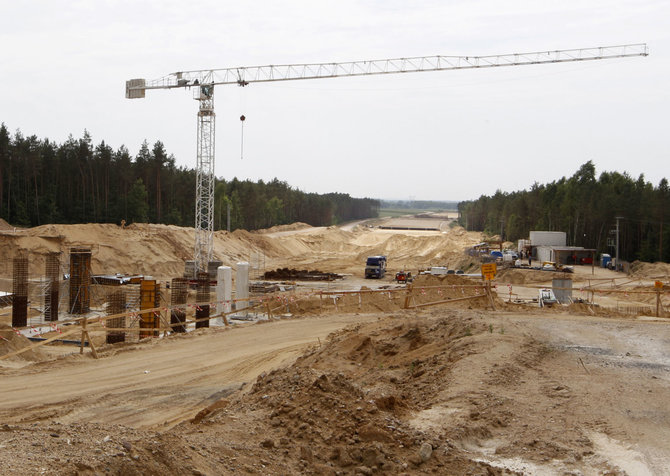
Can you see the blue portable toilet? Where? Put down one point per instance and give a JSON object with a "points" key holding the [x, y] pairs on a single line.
{"points": [[605, 260]]}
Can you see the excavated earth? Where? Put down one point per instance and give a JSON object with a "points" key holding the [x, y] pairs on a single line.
{"points": [[347, 386], [409, 392]]}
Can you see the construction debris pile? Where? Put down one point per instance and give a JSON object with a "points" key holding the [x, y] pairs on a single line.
{"points": [[290, 274]]}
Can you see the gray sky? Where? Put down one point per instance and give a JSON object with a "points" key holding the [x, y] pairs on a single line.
{"points": [[450, 135]]}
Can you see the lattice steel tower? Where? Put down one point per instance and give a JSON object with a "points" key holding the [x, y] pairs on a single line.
{"points": [[204, 189]]}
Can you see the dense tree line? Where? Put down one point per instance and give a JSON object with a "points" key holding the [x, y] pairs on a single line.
{"points": [[79, 182], [255, 205], [419, 204], [585, 207]]}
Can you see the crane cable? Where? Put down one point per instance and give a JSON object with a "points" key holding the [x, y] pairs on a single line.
{"points": [[242, 119], [243, 104]]}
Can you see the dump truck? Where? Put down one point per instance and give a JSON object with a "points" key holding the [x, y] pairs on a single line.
{"points": [[375, 267]]}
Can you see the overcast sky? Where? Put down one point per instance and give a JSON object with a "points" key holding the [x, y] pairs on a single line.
{"points": [[451, 135]]}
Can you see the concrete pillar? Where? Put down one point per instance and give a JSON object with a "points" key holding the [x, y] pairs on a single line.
{"points": [[242, 286], [224, 290]]}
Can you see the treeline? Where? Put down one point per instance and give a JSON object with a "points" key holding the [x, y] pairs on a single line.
{"points": [[418, 204], [255, 205], [78, 182], [586, 208]]}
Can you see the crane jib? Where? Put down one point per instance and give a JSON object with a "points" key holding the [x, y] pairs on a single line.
{"points": [[243, 76]]}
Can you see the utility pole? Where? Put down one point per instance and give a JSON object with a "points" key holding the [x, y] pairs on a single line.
{"points": [[617, 242]]}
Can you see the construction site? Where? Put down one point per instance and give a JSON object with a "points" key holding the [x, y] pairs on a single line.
{"points": [[403, 345], [114, 360]]}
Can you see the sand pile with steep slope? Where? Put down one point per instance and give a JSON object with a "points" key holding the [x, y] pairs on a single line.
{"points": [[160, 250]]}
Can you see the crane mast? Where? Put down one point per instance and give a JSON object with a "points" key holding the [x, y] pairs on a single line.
{"points": [[204, 81], [204, 189]]}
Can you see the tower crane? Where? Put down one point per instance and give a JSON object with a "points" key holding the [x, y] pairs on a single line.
{"points": [[203, 82]]}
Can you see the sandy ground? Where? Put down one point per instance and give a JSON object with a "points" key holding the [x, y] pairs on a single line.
{"points": [[160, 250], [363, 388], [167, 375], [489, 392]]}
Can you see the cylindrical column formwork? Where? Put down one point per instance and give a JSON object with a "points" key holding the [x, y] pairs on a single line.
{"points": [[562, 290], [52, 273], [190, 269], [224, 289], [242, 286], [149, 299], [178, 296], [212, 269], [116, 304], [20, 291], [80, 280], [202, 299]]}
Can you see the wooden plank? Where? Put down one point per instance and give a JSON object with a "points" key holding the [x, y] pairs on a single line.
{"points": [[446, 301], [489, 293], [91, 345], [83, 335]]}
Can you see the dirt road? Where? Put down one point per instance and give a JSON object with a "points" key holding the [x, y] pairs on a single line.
{"points": [[488, 391], [158, 384], [605, 379]]}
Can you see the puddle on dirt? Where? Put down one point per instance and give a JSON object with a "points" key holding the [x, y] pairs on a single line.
{"points": [[518, 465], [614, 359], [588, 349], [609, 452], [431, 418], [486, 448], [626, 459]]}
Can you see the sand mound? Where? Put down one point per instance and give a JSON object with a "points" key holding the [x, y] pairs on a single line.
{"points": [[5, 226], [430, 289], [650, 270], [426, 289], [280, 228], [344, 406], [160, 250], [10, 342], [528, 276]]}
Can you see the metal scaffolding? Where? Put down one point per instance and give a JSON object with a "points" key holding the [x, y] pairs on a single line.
{"points": [[202, 297], [116, 304], [20, 291], [51, 286], [178, 296], [80, 280]]}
